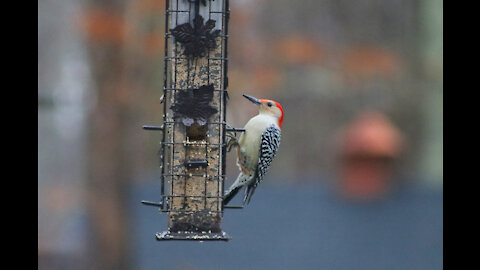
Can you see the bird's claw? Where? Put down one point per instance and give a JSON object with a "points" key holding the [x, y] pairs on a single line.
{"points": [[231, 143]]}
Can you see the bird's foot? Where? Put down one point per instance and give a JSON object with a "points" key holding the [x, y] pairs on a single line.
{"points": [[231, 142]]}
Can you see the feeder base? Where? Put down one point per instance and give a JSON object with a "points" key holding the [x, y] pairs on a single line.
{"points": [[192, 236]]}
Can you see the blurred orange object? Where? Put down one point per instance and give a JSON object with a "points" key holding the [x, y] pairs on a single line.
{"points": [[103, 26], [299, 50], [370, 146], [370, 63]]}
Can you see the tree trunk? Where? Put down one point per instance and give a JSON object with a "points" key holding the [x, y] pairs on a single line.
{"points": [[109, 170]]}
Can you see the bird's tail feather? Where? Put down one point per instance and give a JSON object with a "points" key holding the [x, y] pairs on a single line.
{"points": [[231, 193], [248, 194]]}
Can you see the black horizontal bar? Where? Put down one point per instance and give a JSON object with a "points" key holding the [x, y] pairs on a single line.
{"points": [[235, 129], [152, 127], [196, 163], [232, 207], [159, 204]]}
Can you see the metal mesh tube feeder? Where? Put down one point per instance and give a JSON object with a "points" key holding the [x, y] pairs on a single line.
{"points": [[193, 145]]}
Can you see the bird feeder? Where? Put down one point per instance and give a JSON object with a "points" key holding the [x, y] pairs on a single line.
{"points": [[193, 146]]}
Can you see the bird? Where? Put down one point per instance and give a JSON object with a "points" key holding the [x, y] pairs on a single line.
{"points": [[256, 147]]}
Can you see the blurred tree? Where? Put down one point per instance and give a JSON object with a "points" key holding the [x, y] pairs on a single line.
{"points": [[123, 40], [109, 172]]}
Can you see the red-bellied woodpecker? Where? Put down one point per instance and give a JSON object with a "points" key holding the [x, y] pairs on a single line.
{"points": [[257, 147]]}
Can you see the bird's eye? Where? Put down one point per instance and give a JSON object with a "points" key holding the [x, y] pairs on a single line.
{"points": [[269, 104]]}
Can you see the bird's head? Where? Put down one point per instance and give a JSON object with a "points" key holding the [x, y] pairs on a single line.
{"points": [[267, 106]]}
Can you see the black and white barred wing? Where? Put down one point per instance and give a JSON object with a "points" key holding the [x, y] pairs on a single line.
{"points": [[269, 147], [268, 150]]}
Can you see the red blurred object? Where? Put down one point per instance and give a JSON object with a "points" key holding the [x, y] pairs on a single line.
{"points": [[370, 147]]}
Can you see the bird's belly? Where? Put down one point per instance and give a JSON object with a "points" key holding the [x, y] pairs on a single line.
{"points": [[250, 154], [250, 142]]}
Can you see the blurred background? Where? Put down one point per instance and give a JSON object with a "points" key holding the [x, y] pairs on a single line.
{"points": [[357, 182]]}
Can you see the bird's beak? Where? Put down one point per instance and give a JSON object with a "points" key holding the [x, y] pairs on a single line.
{"points": [[252, 99]]}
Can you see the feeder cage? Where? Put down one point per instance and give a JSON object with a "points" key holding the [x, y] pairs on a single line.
{"points": [[193, 146]]}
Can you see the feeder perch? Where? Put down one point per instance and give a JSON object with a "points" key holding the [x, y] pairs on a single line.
{"points": [[193, 146]]}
